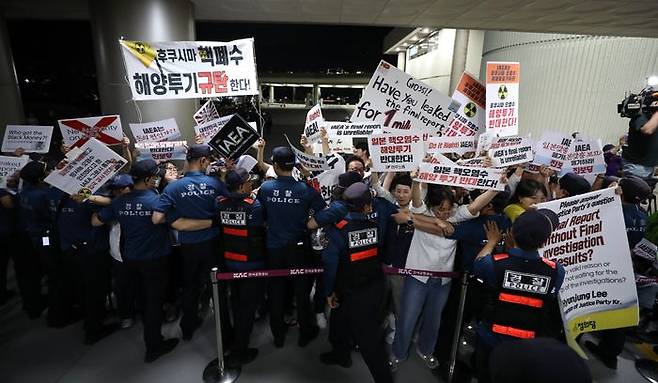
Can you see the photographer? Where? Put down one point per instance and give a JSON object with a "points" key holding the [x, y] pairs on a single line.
{"points": [[641, 156]]}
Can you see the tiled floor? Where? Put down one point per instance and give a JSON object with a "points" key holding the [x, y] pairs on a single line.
{"points": [[32, 352]]}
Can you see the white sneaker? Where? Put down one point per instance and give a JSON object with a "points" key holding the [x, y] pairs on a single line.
{"points": [[321, 320], [430, 360], [126, 323]]}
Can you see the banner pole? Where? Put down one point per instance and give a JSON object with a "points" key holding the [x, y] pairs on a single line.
{"points": [[460, 317], [216, 371]]}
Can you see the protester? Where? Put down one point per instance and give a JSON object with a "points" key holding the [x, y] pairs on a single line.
{"points": [[528, 192]]}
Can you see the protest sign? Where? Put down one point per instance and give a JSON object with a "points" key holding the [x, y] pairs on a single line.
{"points": [[190, 69], [552, 150], [210, 128], [326, 182], [438, 158], [400, 102], [156, 131], [508, 151], [396, 152], [106, 129], [466, 177], [484, 142], [477, 162], [585, 157], [206, 113], [459, 145], [341, 135], [162, 151], [246, 162], [313, 123], [470, 117], [30, 138], [9, 166], [86, 168], [503, 98], [234, 138], [645, 249], [310, 162], [598, 291]]}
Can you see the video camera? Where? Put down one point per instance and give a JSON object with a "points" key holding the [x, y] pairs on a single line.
{"points": [[644, 102]]}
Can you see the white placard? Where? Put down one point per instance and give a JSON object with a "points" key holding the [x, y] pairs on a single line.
{"points": [[246, 162], [508, 151], [210, 128], [313, 124], [310, 162], [470, 119], [465, 177], [86, 167], [552, 150], [396, 152], [156, 131], [76, 131], [30, 138], [190, 69], [206, 113], [645, 249], [341, 135], [399, 102], [459, 144], [503, 98], [9, 166], [585, 157], [162, 151]]}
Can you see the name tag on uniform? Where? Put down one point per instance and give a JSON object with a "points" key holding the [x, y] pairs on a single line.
{"points": [[45, 241], [362, 238], [532, 283], [234, 218]]}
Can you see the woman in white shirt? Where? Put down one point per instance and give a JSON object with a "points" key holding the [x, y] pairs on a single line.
{"points": [[423, 298]]}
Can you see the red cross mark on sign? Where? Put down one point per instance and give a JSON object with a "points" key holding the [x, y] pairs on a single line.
{"points": [[95, 131]]}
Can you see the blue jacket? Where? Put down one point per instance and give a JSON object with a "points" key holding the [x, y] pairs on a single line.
{"points": [[287, 205], [471, 237], [193, 196]]}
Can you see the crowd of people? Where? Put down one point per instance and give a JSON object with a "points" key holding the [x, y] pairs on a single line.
{"points": [[145, 244]]}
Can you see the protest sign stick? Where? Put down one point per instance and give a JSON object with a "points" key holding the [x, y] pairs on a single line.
{"points": [[458, 327], [216, 371]]}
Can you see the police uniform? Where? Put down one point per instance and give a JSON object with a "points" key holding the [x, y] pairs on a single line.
{"points": [[193, 196], [287, 204], [145, 250], [353, 272], [243, 249]]}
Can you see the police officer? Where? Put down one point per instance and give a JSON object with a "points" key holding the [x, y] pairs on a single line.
{"points": [[355, 283], [287, 204], [522, 311], [145, 251], [85, 250], [193, 196], [243, 249]]}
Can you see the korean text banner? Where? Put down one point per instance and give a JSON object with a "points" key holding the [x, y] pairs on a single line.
{"points": [[106, 129], [508, 151], [396, 152], [470, 117], [313, 123], [598, 291], [30, 138], [190, 69], [503, 98], [585, 157], [400, 102], [234, 138], [326, 182], [552, 150], [87, 167], [9, 166], [162, 151], [207, 130], [466, 177], [156, 131], [207, 112]]}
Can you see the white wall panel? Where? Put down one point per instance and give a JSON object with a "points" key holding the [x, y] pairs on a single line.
{"points": [[573, 82]]}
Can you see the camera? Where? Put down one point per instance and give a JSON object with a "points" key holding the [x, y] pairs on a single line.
{"points": [[644, 102]]}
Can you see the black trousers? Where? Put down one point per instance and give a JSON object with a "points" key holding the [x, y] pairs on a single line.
{"points": [[151, 277], [246, 296], [29, 271], [65, 284], [612, 342], [359, 317], [198, 260], [285, 258], [95, 266]]}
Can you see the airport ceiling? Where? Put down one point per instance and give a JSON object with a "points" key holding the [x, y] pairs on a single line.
{"points": [[596, 17]]}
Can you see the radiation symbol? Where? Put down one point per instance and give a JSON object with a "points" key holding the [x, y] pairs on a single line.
{"points": [[502, 92], [470, 110]]}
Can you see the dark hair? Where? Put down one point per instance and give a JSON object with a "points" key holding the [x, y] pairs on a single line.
{"points": [[351, 159], [437, 194], [498, 203], [527, 188], [363, 146], [285, 168], [400, 179]]}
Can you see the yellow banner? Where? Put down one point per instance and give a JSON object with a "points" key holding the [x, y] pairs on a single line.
{"points": [[604, 320]]}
